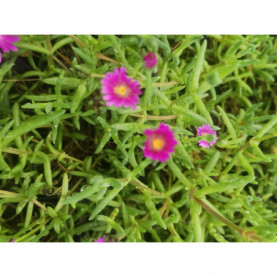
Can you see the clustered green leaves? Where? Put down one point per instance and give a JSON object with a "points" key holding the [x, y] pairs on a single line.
{"points": [[72, 169]]}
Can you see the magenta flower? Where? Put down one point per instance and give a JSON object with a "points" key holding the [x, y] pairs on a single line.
{"points": [[6, 44], [119, 90], [160, 143], [100, 239], [150, 60], [206, 130]]}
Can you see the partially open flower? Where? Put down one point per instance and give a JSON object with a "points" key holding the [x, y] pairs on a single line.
{"points": [[6, 44], [150, 60], [120, 90], [209, 134], [100, 239], [160, 143]]}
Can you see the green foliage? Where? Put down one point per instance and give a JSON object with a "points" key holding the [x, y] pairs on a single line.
{"points": [[72, 169]]}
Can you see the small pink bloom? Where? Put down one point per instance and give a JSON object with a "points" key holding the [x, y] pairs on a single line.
{"points": [[205, 130], [120, 90], [160, 143], [150, 60], [6, 44], [100, 239]]}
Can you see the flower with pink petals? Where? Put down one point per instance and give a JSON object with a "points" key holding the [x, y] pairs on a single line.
{"points": [[204, 131], [150, 60], [160, 143], [100, 239], [120, 90], [6, 44]]}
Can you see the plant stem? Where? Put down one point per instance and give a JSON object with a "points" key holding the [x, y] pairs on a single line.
{"points": [[155, 117], [244, 233], [32, 232]]}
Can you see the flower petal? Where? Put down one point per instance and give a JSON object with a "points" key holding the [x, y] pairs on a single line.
{"points": [[117, 79], [163, 133]]}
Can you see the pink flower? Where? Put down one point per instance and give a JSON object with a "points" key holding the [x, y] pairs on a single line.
{"points": [[119, 90], [6, 44], [205, 130], [150, 60], [100, 239], [160, 143]]}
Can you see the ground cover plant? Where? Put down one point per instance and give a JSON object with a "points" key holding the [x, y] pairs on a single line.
{"points": [[138, 138]]}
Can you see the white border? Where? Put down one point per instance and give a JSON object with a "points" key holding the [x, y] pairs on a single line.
{"points": [[141, 259], [138, 17]]}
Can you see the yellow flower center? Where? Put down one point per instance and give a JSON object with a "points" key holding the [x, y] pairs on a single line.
{"points": [[121, 90], [158, 143]]}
